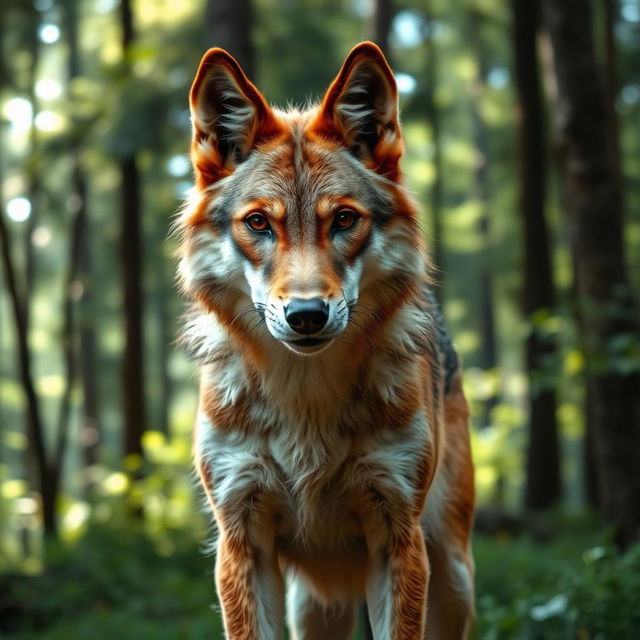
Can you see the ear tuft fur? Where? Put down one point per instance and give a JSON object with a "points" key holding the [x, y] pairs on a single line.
{"points": [[360, 109], [229, 115]]}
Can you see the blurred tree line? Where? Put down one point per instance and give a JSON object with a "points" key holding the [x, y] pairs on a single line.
{"points": [[522, 145]]}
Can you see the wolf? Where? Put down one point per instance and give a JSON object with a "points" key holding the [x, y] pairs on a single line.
{"points": [[332, 431]]}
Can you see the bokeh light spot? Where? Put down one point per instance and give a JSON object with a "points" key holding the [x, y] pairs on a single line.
{"points": [[49, 33], [19, 209], [406, 83], [48, 89], [48, 121], [19, 112], [178, 166]]}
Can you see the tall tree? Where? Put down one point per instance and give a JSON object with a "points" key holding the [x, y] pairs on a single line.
{"points": [[131, 252], [228, 25], [611, 8], [543, 481], [68, 343], [433, 118], [34, 178], [20, 289], [166, 336], [165, 330], [595, 211], [381, 18], [36, 450], [489, 348], [80, 266], [45, 468]]}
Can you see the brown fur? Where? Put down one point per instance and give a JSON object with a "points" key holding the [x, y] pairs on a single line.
{"points": [[322, 466]]}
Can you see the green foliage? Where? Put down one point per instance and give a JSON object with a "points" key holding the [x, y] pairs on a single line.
{"points": [[528, 591], [299, 63], [118, 582], [115, 575], [114, 583]]}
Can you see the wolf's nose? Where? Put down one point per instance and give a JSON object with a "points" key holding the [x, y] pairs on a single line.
{"points": [[306, 316]]}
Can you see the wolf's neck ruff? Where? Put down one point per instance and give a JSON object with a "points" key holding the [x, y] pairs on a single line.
{"points": [[312, 393]]}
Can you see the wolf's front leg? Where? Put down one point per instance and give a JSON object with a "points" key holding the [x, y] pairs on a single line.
{"points": [[250, 589], [397, 588]]}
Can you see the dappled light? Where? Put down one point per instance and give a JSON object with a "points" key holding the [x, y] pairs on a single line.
{"points": [[103, 529]]}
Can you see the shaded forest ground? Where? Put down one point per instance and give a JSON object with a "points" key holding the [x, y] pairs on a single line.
{"points": [[117, 581]]}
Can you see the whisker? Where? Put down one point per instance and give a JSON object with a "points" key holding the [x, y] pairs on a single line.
{"points": [[247, 309]]}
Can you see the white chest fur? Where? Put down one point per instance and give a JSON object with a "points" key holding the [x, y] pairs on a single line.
{"points": [[316, 460], [312, 487]]}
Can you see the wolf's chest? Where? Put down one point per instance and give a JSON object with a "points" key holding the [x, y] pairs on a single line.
{"points": [[309, 486], [318, 487]]}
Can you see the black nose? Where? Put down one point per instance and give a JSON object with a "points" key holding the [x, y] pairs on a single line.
{"points": [[306, 316]]}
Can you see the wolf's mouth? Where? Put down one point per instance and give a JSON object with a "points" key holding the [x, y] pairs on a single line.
{"points": [[307, 342], [308, 346]]}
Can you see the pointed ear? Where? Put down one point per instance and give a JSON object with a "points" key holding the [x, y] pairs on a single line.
{"points": [[229, 115], [360, 109]]}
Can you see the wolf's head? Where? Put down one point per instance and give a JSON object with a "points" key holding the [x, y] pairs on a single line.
{"points": [[298, 220]]}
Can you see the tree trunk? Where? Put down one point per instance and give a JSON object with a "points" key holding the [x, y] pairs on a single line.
{"points": [[381, 24], [163, 336], [437, 188], [488, 348], [38, 470], [590, 468], [81, 271], [69, 338], [35, 430], [33, 192], [34, 183], [591, 479], [595, 213], [543, 484], [131, 249], [133, 370], [91, 433], [164, 353], [612, 85], [228, 25]]}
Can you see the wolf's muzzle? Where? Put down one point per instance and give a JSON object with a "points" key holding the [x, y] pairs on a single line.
{"points": [[306, 316]]}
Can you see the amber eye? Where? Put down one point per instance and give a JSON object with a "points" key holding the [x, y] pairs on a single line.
{"points": [[344, 219], [257, 222]]}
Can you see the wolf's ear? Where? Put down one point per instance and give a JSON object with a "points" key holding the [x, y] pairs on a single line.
{"points": [[360, 109], [229, 115]]}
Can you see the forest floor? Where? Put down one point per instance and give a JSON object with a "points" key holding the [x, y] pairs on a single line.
{"points": [[116, 582]]}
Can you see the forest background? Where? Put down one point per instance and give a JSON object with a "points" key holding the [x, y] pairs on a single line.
{"points": [[521, 122]]}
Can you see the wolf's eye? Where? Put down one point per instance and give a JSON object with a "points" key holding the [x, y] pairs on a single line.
{"points": [[257, 222], [344, 219]]}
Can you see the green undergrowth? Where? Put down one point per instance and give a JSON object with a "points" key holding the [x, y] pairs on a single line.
{"points": [[116, 582], [569, 589]]}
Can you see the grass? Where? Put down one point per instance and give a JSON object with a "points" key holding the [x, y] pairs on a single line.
{"points": [[115, 583]]}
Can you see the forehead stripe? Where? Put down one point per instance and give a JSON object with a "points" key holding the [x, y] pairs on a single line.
{"points": [[273, 207]]}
